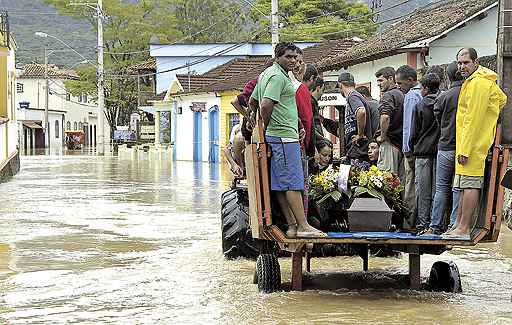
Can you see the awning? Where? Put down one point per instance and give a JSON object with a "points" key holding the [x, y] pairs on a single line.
{"points": [[148, 109], [32, 125]]}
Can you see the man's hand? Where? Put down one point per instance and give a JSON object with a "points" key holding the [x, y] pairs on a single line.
{"points": [[356, 138], [237, 171], [381, 139], [302, 135], [251, 123], [463, 160]]}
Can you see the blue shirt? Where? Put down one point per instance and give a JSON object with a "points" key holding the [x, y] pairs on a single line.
{"points": [[410, 100]]}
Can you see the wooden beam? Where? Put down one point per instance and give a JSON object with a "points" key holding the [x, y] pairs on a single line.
{"points": [[297, 271]]}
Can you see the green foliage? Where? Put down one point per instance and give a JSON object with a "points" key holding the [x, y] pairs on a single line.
{"points": [[314, 20], [128, 28]]}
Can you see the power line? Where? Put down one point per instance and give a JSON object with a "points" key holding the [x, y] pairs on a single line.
{"points": [[361, 28], [217, 54], [182, 39], [360, 17]]}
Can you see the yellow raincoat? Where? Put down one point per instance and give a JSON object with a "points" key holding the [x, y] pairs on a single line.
{"points": [[480, 103]]}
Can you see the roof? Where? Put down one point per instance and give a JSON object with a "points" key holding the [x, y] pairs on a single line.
{"points": [[36, 70], [231, 75], [423, 24], [146, 65], [237, 72], [328, 49]]}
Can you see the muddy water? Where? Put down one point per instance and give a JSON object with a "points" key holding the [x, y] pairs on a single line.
{"points": [[104, 240]]}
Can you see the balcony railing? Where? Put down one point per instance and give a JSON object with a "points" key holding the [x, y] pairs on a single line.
{"points": [[4, 29]]}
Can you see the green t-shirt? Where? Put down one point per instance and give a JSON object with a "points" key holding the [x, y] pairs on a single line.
{"points": [[275, 84]]}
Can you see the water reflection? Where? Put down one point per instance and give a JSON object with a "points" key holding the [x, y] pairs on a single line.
{"points": [[93, 240]]}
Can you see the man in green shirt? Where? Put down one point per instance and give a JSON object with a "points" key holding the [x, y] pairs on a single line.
{"points": [[274, 95]]}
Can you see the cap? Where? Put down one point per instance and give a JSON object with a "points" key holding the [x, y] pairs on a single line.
{"points": [[345, 76]]}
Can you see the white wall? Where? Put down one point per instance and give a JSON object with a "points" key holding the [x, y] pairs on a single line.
{"points": [[185, 126], [72, 109], [365, 72], [479, 34]]}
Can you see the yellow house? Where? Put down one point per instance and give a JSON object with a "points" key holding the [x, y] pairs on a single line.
{"points": [[9, 157]]}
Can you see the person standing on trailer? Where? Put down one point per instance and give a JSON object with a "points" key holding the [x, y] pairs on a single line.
{"points": [[480, 103], [274, 94]]}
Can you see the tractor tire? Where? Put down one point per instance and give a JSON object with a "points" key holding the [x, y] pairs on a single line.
{"points": [[269, 273], [444, 276], [237, 238]]}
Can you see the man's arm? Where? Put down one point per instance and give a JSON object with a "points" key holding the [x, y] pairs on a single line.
{"points": [[266, 108], [384, 126], [361, 121], [476, 109], [236, 104], [331, 126], [235, 168], [415, 128], [387, 109], [439, 107]]}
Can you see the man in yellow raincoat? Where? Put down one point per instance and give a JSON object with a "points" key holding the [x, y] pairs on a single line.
{"points": [[480, 103]]}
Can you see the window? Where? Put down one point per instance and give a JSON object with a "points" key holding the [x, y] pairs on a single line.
{"points": [[233, 119], [75, 126], [19, 88], [68, 97], [80, 126], [57, 131], [68, 125], [84, 98], [80, 98]]}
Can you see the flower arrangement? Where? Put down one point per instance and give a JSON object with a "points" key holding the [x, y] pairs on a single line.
{"points": [[361, 182], [324, 185]]}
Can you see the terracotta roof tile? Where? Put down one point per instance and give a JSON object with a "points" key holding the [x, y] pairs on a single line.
{"points": [[419, 25], [146, 65], [236, 73], [35, 70]]}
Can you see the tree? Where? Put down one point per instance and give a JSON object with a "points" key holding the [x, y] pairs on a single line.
{"points": [[315, 20], [128, 28]]}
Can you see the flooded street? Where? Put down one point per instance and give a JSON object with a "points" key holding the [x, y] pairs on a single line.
{"points": [[93, 240]]}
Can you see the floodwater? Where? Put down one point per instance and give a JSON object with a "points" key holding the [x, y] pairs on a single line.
{"points": [[105, 240]]}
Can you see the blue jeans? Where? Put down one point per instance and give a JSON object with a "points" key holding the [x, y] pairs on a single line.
{"points": [[445, 170], [425, 186]]}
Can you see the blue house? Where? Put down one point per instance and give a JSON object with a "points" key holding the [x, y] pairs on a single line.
{"points": [[201, 58]]}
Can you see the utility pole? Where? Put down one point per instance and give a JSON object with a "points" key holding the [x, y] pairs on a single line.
{"points": [[504, 64], [46, 99], [274, 24], [100, 77]]}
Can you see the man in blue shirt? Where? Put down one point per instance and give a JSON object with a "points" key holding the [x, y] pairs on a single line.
{"points": [[407, 81]]}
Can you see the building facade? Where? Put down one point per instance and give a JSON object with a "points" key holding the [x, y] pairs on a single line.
{"points": [[430, 36], [9, 156], [65, 111], [175, 59]]}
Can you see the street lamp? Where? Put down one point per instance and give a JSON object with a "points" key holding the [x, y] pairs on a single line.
{"points": [[47, 85]]}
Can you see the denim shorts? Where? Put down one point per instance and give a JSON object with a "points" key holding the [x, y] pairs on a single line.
{"points": [[286, 173]]}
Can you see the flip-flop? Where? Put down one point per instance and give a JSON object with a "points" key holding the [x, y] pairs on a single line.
{"points": [[311, 234]]}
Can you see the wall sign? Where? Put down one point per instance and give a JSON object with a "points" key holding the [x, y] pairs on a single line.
{"points": [[198, 107]]}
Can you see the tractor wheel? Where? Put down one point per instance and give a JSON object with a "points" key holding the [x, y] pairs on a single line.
{"points": [[269, 273], [444, 276], [237, 238]]}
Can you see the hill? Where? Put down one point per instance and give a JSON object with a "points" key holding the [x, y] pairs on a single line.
{"points": [[29, 16]]}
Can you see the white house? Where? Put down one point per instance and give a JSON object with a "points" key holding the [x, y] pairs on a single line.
{"points": [[174, 59], [9, 156], [65, 112], [430, 36]]}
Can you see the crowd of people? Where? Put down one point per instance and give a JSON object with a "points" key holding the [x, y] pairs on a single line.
{"points": [[435, 135]]}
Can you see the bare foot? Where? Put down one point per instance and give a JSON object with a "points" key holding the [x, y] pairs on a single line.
{"points": [[292, 231], [309, 231], [459, 232]]}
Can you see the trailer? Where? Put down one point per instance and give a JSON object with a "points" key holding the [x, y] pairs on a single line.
{"points": [[444, 276]]}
